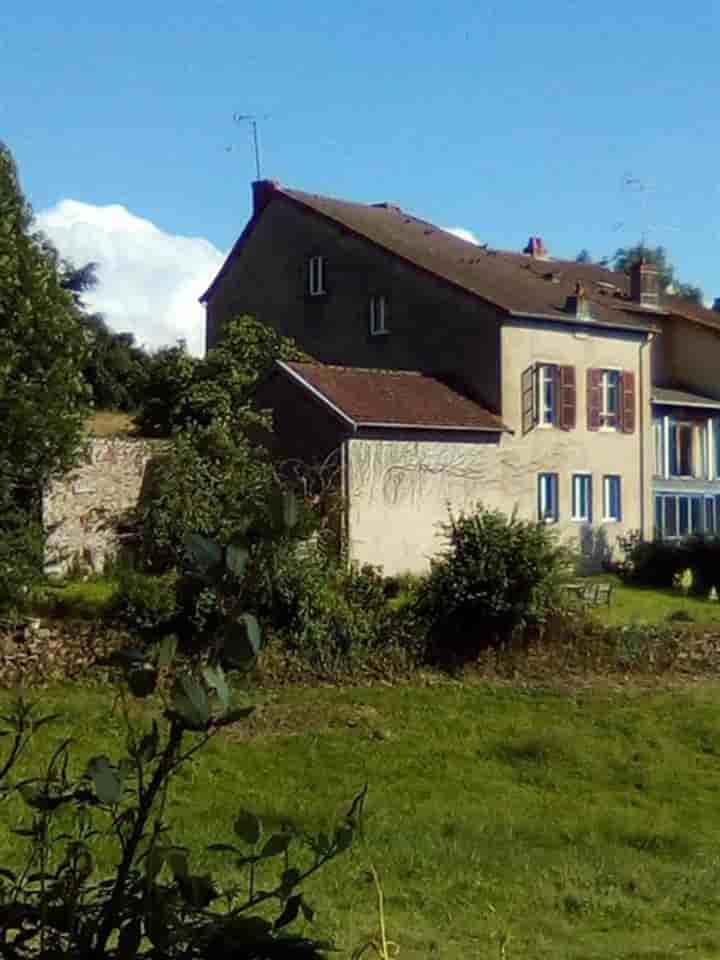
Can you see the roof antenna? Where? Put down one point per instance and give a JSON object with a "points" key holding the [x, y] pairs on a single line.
{"points": [[253, 121]]}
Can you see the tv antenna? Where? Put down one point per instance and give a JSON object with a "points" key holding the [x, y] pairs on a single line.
{"points": [[253, 121]]}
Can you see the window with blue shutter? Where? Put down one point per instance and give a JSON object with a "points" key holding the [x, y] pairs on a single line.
{"points": [[612, 508]]}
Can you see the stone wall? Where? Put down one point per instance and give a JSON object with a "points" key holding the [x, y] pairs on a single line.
{"points": [[81, 511]]}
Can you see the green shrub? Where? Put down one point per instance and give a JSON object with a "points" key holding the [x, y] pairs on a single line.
{"points": [[21, 558], [145, 602], [658, 563], [499, 575]]}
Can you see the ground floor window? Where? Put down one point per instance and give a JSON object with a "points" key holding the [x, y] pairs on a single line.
{"points": [[611, 498], [582, 497], [548, 507], [679, 515]]}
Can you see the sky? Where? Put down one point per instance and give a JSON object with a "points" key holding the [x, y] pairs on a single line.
{"points": [[589, 125]]}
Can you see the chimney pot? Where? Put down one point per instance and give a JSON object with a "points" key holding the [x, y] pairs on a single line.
{"points": [[536, 248], [262, 190], [645, 283]]}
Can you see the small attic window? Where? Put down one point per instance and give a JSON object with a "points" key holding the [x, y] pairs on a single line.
{"points": [[316, 276], [378, 315]]}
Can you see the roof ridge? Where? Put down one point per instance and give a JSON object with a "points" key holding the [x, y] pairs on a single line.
{"points": [[343, 368]]}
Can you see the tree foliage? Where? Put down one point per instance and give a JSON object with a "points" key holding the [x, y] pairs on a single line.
{"points": [[43, 395], [181, 390], [625, 257]]}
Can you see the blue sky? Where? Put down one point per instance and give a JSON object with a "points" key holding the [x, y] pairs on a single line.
{"points": [[507, 119]]}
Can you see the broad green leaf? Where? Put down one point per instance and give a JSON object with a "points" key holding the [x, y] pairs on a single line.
{"points": [[142, 681], [191, 702], [216, 680], [129, 940], [168, 649], [198, 891], [276, 845], [290, 510], [253, 631], [236, 559], [343, 838], [205, 554], [106, 780], [248, 827], [290, 911]]}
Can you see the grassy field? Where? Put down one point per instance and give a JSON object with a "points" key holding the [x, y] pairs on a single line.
{"points": [[584, 825], [654, 606]]}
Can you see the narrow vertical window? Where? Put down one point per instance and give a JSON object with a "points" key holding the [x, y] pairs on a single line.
{"points": [[609, 399], [378, 315], [612, 509], [548, 507], [316, 276], [582, 497], [659, 448], [547, 394]]}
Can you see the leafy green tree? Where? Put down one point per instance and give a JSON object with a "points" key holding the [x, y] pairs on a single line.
{"points": [[625, 257], [583, 256], [180, 390], [43, 395]]}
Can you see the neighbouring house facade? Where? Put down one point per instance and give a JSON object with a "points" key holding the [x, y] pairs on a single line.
{"points": [[449, 374]]}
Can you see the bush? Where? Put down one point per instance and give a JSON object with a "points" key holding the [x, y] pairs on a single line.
{"points": [[208, 481], [658, 563], [147, 603], [21, 558], [499, 575]]}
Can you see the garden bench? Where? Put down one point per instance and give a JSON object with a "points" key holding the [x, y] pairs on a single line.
{"points": [[592, 594]]}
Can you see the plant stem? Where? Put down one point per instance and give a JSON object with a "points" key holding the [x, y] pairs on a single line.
{"points": [[109, 916]]}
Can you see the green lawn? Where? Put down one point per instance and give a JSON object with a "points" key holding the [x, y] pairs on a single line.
{"points": [[585, 825], [646, 603]]}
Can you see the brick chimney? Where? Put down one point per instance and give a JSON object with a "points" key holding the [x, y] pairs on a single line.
{"points": [[262, 191], [644, 283], [536, 248]]}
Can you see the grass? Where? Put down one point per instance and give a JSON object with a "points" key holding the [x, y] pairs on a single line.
{"points": [[75, 599], [653, 605], [581, 826]]}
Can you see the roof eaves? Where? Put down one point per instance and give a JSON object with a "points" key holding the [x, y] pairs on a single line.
{"points": [[318, 394], [474, 428], [589, 324]]}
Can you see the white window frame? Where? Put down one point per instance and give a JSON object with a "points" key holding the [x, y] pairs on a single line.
{"points": [[604, 393], [607, 480], [378, 315], [316, 276], [575, 516], [549, 512], [546, 373]]}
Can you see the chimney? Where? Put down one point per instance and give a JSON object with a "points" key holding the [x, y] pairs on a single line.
{"points": [[262, 190], [578, 304], [536, 248], [645, 284]]}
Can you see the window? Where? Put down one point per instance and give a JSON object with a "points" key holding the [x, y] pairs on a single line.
{"points": [[547, 394], [679, 515], [612, 509], [316, 276], [548, 508], [658, 427], [609, 402], [378, 315], [582, 497]]}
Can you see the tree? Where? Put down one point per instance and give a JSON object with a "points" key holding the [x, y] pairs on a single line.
{"points": [[43, 395], [583, 256], [115, 367], [625, 257], [180, 390]]}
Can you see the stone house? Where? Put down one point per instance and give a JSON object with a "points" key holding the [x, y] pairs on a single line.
{"points": [[450, 373]]}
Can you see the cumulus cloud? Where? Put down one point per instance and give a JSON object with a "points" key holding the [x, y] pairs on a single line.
{"points": [[149, 281], [462, 233]]}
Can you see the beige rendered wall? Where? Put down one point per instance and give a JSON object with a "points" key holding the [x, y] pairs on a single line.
{"points": [[400, 490], [565, 452], [688, 354]]}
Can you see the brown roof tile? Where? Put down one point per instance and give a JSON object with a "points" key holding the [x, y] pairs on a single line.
{"points": [[393, 398]]}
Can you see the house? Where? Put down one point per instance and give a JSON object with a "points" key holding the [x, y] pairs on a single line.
{"points": [[450, 373]]}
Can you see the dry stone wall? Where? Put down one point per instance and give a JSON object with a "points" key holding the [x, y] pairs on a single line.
{"points": [[81, 511]]}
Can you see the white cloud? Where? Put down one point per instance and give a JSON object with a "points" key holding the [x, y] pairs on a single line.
{"points": [[149, 281], [462, 233]]}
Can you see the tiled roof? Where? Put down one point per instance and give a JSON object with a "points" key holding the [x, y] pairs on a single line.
{"points": [[675, 396], [515, 282], [392, 398]]}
